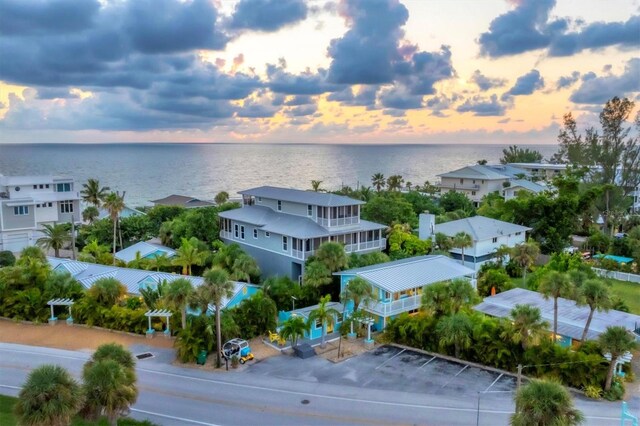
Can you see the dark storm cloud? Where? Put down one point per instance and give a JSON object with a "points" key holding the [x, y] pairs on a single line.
{"points": [[20, 17], [483, 107], [527, 28], [566, 81], [400, 98], [485, 83], [597, 90], [267, 15], [525, 85], [55, 93]]}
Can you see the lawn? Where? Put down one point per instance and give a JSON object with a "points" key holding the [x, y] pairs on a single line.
{"points": [[8, 419]]}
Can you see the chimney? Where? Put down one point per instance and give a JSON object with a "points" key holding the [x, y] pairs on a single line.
{"points": [[426, 226]]}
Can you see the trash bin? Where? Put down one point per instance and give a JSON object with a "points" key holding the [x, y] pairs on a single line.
{"points": [[202, 357]]}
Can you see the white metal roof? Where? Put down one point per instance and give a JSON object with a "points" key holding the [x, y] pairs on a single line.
{"points": [[128, 254], [480, 227], [300, 196], [475, 172], [411, 273]]}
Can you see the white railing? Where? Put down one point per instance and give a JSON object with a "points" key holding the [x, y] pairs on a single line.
{"points": [[381, 243], [225, 234], [622, 276], [339, 221], [396, 306], [297, 254]]}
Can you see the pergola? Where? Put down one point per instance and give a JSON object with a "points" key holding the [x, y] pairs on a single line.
{"points": [[158, 313], [60, 302]]}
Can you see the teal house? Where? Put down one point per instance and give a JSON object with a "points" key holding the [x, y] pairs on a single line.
{"points": [[398, 285], [315, 329]]}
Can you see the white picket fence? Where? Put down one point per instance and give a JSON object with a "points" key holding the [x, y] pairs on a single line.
{"points": [[622, 276]]}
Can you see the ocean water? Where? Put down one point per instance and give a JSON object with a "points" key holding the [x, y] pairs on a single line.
{"points": [[151, 171]]}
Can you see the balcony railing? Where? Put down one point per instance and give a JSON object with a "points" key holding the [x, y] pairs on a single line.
{"points": [[462, 186], [368, 245], [225, 234], [396, 306], [339, 221]]}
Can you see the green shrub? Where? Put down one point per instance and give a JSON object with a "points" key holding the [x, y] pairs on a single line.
{"points": [[593, 392], [494, 278], [616, 392], [7, 259]]}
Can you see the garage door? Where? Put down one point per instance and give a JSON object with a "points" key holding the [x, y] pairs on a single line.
{"points": [[15, 242]]}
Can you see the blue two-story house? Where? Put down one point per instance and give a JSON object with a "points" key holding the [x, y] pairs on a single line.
{"points": [[282, 227], [397, 286]]}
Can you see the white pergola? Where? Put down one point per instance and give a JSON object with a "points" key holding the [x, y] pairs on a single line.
{"points": [[60, 302], [158, 313]]}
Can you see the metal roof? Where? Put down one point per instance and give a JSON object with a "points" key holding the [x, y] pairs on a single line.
{"points": [[300, 196], [475, 172], [528, 185], [291, 225], [182, 200], [87, 273], [306, 311], [480, 227], [413, 272], [32, 180], [571, 317], [128, 254], [506, 169]]}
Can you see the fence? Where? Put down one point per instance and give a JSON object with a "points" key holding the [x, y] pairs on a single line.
{"points": [[622, 276]]}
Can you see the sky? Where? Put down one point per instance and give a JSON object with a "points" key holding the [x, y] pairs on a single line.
{"points": [[311, 71]]}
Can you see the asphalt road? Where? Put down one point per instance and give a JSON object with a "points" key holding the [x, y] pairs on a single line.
{"points": [[171, 395]]}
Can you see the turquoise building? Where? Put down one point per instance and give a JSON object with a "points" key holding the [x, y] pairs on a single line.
{"points": [[315, 329], [398, 285]]}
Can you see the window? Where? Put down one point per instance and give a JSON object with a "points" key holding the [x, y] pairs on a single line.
{"points": [[473, 181], [279, 205], [461, 180], [21, 210], [494, 240], [35, 186], [66, 206], [235, 230], [518, 233], [318, 323], [267, 234], [17, 189], [473, 192], [255, 234], [339, 317], [242, 232], [37, 206], [49, 204], [63, 187], [285, 244], [41, 186], [47, 186], [259, 199], [309, 210]]}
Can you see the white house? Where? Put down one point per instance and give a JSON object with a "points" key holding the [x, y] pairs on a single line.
{"points": [[473, 181], [29, 202], [487, 235], [522, 185], [546, 171]]}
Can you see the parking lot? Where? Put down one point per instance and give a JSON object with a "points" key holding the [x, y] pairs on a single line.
{"points": [[391, 368]]}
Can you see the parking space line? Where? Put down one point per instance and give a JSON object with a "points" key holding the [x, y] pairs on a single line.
{"points": [[494, 382], [426, 363], [456, 375], [390, 359]]}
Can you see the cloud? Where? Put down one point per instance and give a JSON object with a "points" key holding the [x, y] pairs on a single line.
{"points": [[525, 85], [302, 110], [400, 98], [306, 83], [566, 81], [366, 96], [485, 83], [55, 93], [527, 28], [438, 104], [597, 90], [267, 15], [483, 107], [25, 18]]}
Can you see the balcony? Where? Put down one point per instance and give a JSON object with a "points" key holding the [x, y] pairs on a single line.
{"points": [[459, 186], [369, 245], [225, 234], [353, 220], [395, 307]]}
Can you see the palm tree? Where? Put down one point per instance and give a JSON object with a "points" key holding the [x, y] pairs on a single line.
{"points": [[316, 274], [364, 193], [435, 298], [221, 197], [54, 237], [109, 389], [616, 341], [138, 262], [90, 214], [394, 182], [244, 267], [114, 203], [315, 186], [455, 330], [107, 291], [159, 261], [359, 291], [93, 194], [31, 253], [462, 240], [188, 255], [525, 255], [555, 284], [325, 314], [50, 396], [293, 329], [543, 402], [378, 180], [595, 294], [226, 255], [333, 256], [178, 295], [502, 253], [461, 293], [115, 352], [443, 241], [527, 326], [215, 289]]}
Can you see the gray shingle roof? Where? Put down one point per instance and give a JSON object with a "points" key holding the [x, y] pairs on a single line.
{"points": [[87, 273], [571, 317], [300, 196], [291, 225], [128, 254], [475, 172], [410, 273], [480, 227]]}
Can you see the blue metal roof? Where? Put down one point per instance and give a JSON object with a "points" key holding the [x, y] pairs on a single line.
{"points": [[325, 199], [128, 254]]}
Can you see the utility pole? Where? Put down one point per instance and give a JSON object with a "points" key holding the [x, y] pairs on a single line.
{"points": [[519, 382], [73, 237]]}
